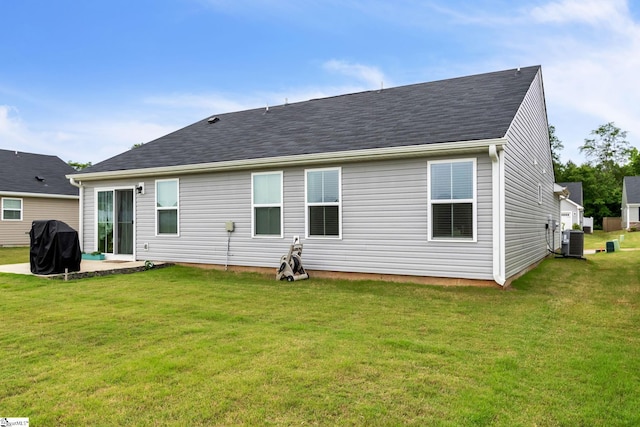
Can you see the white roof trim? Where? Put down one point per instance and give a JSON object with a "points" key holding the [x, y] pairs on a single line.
{"points": [[450, 148], [559, 190], [38, 195], [580, 207]]}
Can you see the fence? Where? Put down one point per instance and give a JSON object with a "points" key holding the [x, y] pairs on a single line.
{"points": [[611, 223]]}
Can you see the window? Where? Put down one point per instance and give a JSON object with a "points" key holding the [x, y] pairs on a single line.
{"points": [[267, 204], [167, 206], [452, 199], [11, 209], [323, 207]]}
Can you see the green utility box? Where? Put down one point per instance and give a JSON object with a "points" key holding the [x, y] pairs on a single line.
{"points": [[611, 247]]}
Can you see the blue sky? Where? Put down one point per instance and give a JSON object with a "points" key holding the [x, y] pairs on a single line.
{"points": [[85, 80]]}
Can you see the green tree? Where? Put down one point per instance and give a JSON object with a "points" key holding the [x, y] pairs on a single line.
{"points": [[608, 148], [556, 149], [610, 158], [633, 167], [78, 166]]}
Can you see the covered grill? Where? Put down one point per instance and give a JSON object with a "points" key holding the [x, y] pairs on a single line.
{"points": [[54, 247]]}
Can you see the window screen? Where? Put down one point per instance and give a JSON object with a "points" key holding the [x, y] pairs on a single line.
{"points": [[452, 199], [323, 202], [267, 204]]}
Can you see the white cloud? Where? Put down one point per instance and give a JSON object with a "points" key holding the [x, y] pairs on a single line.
{"points": [[94, 140], [593, 12], [590, 74], [15, 134], [369, 75], [99, 140]]}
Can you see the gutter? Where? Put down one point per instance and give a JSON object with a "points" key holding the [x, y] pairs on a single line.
{"points": [[39, 195], [443, 148], [80, 187], [498, 208]]}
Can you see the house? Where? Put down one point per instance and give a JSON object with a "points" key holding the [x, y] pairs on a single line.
{"points": [[571, 208], [33, 187], [451, 181], [631, 202]]}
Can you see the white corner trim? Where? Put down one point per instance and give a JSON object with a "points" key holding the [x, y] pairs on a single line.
{"points": [[80, 211], [498, 208]]}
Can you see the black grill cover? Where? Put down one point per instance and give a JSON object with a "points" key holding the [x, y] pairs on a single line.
{"points": [[54, 247]]}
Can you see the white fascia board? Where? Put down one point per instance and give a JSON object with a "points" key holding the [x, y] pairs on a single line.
{"points": [[560, 190], [579, 207], [38, 195], [448, 148]]}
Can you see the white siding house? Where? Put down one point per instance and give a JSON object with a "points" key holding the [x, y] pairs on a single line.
{"points": [[631, 202], [449, 180], [571, 207]]}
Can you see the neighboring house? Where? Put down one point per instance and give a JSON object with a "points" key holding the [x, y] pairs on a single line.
{"points": [[572, 208], [33, 187], [631, 202], [451, 179]]}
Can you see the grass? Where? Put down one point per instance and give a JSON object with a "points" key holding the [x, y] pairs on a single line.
{"points": [[599, 238], [14, 255], [197, 347]]}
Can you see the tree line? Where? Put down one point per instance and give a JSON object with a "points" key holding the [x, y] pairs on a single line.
{"points": [[610, 158]]}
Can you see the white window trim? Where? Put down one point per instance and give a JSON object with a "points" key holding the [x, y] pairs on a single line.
{"points": [[155, 203], [267, 205], [112, 190], [21, 210], [307, 204], [473, 201]]}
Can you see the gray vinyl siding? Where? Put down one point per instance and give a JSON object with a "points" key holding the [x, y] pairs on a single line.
{"points": [[16, 233], [384, 228], [527, 164], [88, 242]]}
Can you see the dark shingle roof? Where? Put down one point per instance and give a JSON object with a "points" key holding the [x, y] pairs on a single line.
{"points": [[575, 190], [19, 174], [632, 186], [461, 109]]}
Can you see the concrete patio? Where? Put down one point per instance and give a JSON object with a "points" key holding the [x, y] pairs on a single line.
{"points": [[88, 268]]}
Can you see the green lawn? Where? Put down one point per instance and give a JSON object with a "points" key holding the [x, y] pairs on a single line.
{"points": [[18, 255], [183, 346], [599, 238]]}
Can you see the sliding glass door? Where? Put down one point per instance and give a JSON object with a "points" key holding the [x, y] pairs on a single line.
{"points": [[114, 221]]}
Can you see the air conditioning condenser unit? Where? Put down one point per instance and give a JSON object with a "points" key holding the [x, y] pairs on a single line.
{"points": [[573, 243]]}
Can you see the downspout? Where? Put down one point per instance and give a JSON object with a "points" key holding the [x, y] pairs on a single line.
{"points": [[80, 187], [497, 193]]}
